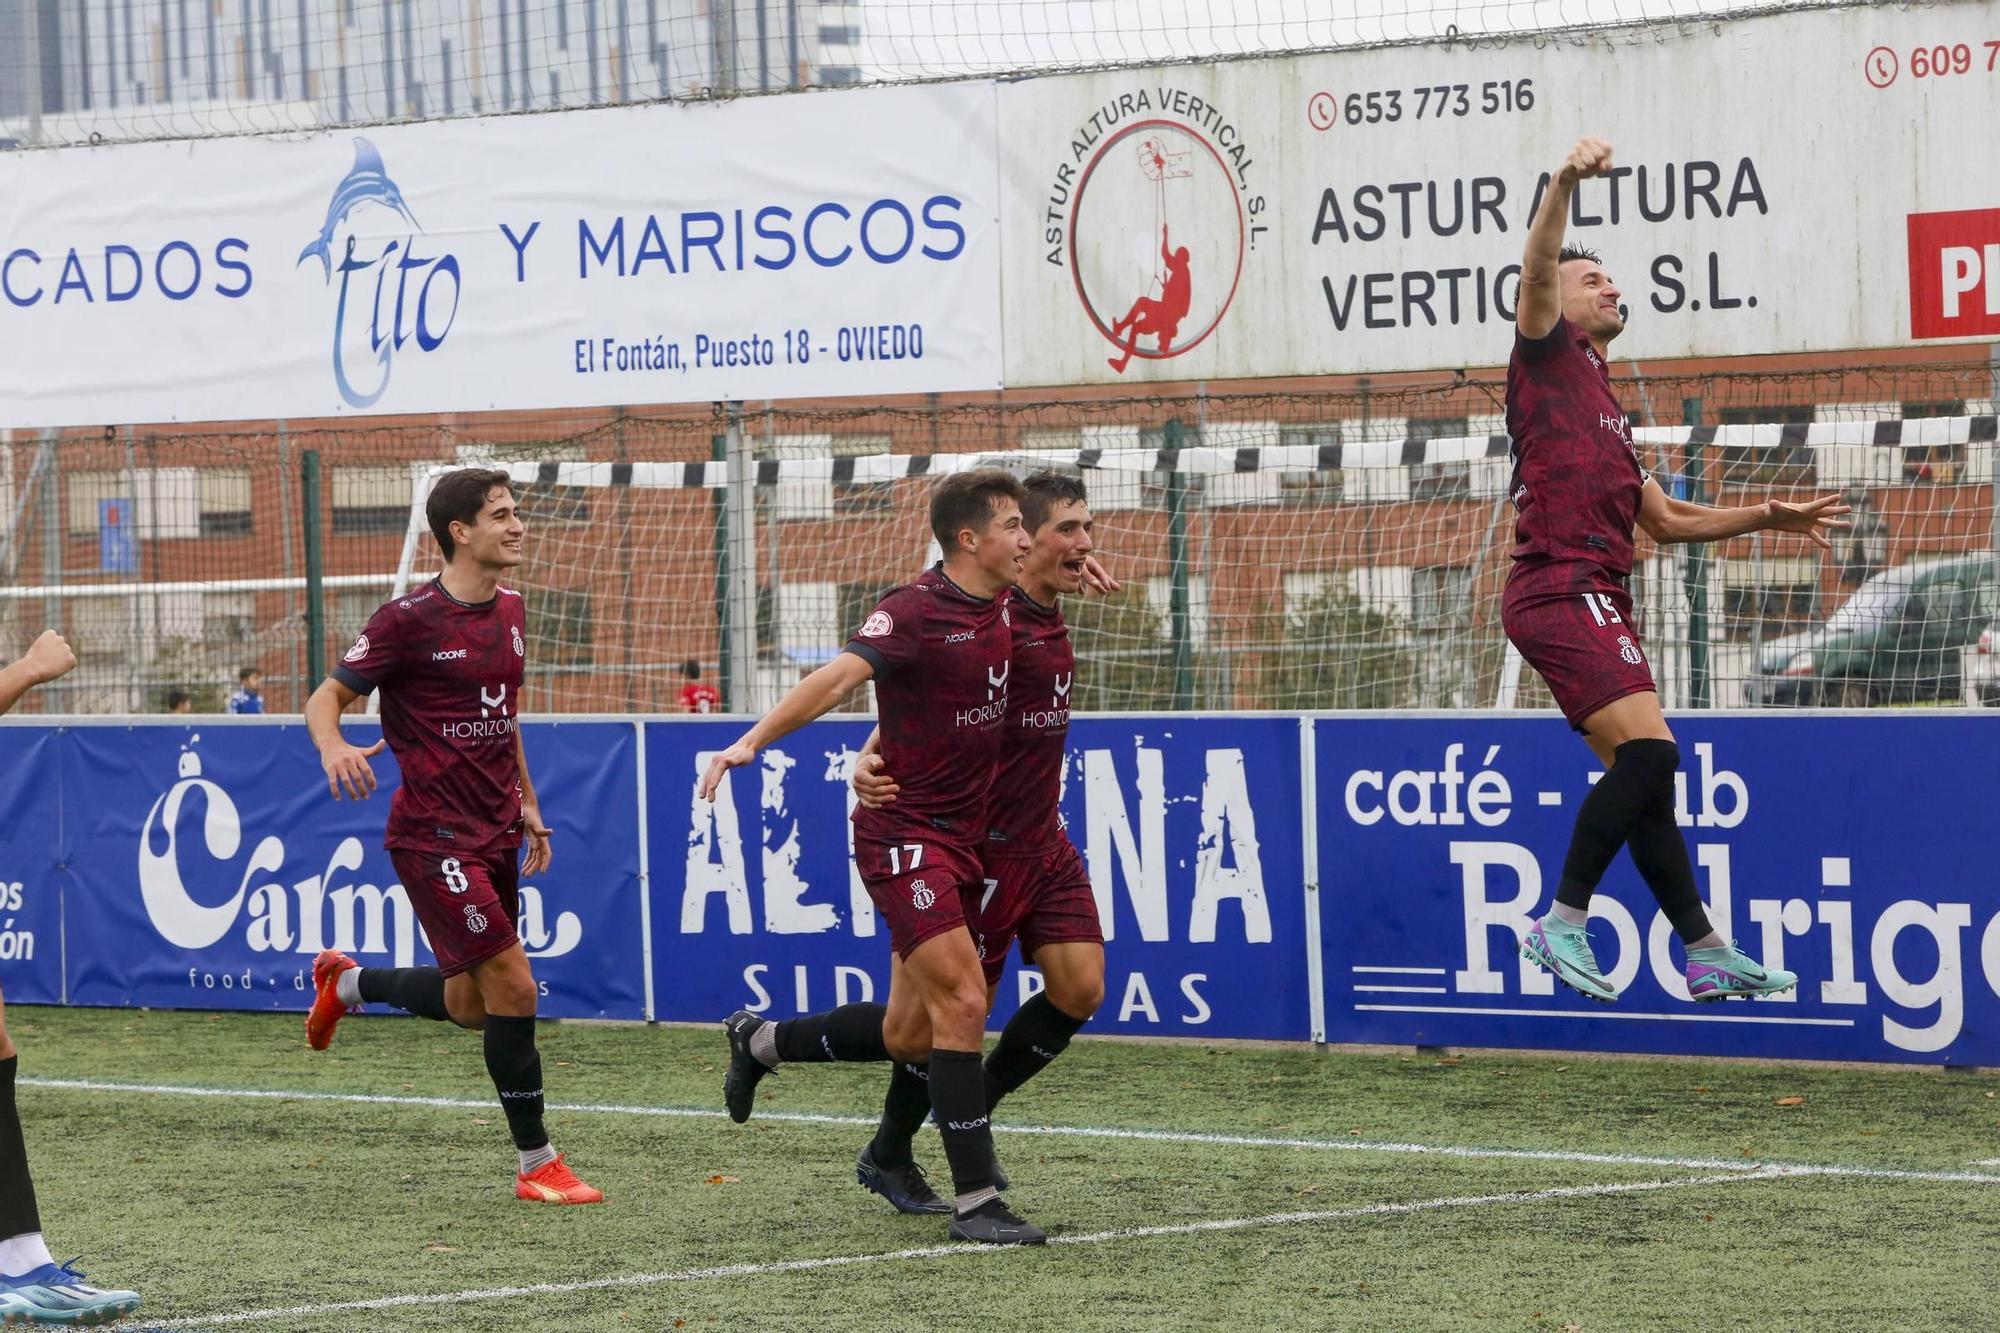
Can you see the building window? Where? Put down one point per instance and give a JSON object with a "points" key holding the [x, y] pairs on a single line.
{"points": [[370, 500], [1934, 464], [225, 502], [561, 628], [1780, 463], [1159, 595], [1439, 481], [1323, 484], [1441, 598], [858, 497], [1762, 598]]}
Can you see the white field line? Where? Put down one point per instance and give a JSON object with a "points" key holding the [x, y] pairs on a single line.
{"points": [[962, 1250], [1069, 1131]]}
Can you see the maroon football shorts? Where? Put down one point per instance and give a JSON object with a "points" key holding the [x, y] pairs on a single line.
{"points": [[920, 882], [466, 904], [1573, 623], [1042, 897]]}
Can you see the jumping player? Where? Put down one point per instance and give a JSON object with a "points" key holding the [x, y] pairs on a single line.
{"points": [[1035, 885], [939, 650], [1578, 488], [448, 660], [34, 1288]]}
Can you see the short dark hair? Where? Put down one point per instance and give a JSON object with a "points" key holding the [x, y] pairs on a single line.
{"points": [[1047, 489], [243, 676], [175, 698], [457, 498], [1570, 252], [969, 500], [691, 669]]}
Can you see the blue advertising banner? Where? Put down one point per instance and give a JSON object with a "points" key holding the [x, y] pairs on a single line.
{"points": [[31, 867], [1857, 851], [208, 865], [1189, 827]]}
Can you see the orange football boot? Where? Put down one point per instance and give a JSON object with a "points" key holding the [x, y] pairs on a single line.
{"points": [[327, 1009], [555, 1183]]}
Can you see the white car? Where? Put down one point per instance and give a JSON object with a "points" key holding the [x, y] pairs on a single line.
{"points": [[1981, 668]]}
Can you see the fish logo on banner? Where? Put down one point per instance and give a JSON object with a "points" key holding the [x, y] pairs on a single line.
{"points": [[381, 276]]}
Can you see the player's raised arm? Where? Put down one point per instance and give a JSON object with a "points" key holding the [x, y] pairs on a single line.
{"points": [[48, 657], [1539, 305], [1668, 520], [346, 765], [811, 698]]}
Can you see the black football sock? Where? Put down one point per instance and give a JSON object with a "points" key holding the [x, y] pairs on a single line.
{"points": [[419, 990], [1661, 854], [516, 1067], [958, 1102], [1036, 1034], [852, 1032], [904, 1107], [18, 1215], [1639, 771]]}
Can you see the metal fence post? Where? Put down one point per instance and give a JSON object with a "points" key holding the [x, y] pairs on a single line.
{"points": [[1180, 627], [718, 451], [1693, 467], [315, 565]]}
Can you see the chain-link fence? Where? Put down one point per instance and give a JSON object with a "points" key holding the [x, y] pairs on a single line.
{"points": [[92, 71], [1343, 547]]}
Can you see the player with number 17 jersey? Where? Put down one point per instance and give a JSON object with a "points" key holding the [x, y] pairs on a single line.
{"points": [[941, 659]]}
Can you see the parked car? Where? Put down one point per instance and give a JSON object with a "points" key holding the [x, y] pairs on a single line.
{"points": [[1898, 639], [1979, 668]]}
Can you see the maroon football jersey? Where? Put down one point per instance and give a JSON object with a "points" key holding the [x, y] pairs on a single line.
{"points": [[1577, 475], [1029, 784], [450, 676], [941, 658]]}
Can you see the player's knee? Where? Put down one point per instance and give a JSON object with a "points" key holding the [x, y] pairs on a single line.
{"points": [[1078, 995], [959, 1009], [907, 1036], [1654, 759]]}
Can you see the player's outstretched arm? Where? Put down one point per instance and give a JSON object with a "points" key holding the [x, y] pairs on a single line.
{"points": [[812, 697], [48, 657], [346, 765], [1668, 520], [1539, 305]]}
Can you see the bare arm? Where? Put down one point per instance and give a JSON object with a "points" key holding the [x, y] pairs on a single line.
{"points": [[811, 698], [48, 657], [1668, 520], [539, 851], [1539, 305], [346, 765]]}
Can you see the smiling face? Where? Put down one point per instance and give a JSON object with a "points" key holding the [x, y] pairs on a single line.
{"points": [[1055, 563], [493, 539], [1000, 548], [1590, 300]]}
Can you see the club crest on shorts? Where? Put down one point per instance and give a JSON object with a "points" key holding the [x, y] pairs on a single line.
{"points": [[475, 920], [921, 897], [877, 625], [1629, 650]]}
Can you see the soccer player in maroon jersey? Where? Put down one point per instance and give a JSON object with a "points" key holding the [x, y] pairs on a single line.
{"points": [[939, 651], [448, 659], [34, 1288], [1036, 888], [1578, 488]]}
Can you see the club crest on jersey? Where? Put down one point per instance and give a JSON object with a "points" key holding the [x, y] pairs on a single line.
{"points": [[1629, 650], [921, 896], [520, 649], [877, 625], [358, 651]]}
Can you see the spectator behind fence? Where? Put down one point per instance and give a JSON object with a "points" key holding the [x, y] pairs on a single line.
{"points": [[698, 696], [180, 701], [248, 697]]}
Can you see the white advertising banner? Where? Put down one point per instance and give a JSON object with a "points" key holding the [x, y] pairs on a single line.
{"points": [[772, 247], [1793, 183]]}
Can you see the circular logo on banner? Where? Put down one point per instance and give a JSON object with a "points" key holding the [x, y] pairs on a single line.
{"points": [[877, 625], [359, 650], [1157, 238]]}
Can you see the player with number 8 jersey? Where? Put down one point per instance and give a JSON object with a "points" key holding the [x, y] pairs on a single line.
{"points": [[449, 661]]}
